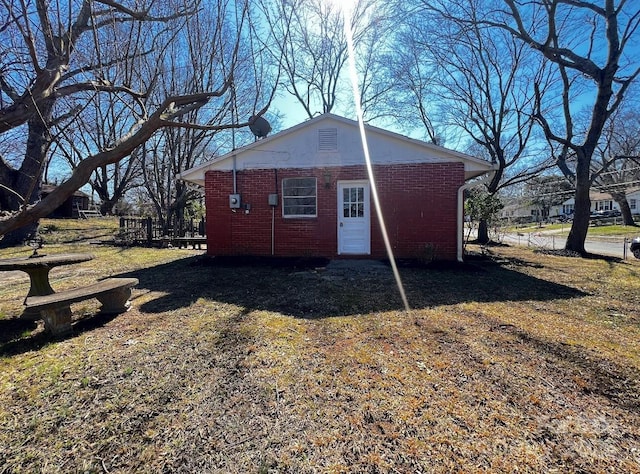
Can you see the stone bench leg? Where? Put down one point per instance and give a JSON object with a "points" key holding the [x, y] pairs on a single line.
{"points": [[115, 301], [57, 321]]}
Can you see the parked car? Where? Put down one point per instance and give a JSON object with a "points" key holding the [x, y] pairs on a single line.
{"points": [[635, 247], [611, 213], [604, 214]]}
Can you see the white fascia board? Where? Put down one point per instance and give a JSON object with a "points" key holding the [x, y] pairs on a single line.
{"points": [[225, 162], [296, 147]]}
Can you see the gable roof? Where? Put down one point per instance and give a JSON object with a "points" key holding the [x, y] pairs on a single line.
{"points": [[596, 195], [49, 188], [331, 140]]}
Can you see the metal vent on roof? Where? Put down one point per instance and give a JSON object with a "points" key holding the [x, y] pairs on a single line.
{"points": [[328, 139]]}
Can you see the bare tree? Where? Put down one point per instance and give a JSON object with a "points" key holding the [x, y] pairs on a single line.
{"points": [[616, 163], [470, 78], [96, 120], [412, 104], [194, 62], [99, 126], [588, 44], [546, 191], [60, 50], [308, 38], [55, 54]]}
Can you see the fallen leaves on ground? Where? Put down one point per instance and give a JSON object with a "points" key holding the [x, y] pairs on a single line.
{"points": [[520, 361]]}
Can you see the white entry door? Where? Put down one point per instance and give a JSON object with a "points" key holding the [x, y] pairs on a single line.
{"points": [[354, 218]]}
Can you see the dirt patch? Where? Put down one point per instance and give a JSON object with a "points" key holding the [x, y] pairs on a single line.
{"points": [[520, 361], [291, 263]]}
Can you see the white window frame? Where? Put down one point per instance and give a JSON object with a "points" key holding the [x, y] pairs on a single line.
{"points": [[288, 200]]}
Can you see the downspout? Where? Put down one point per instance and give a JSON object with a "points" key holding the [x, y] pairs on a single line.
{"points": [[273, 217], [461, 190], [460, 235]]}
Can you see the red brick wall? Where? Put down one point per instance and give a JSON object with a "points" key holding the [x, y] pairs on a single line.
{"points": [[418, 203]]}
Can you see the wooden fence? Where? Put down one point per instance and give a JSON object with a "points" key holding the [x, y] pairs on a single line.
{"points": [[148, 231]]}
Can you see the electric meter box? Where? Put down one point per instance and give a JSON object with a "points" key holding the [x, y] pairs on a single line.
{"points": [[234, 201], [273, 199]]}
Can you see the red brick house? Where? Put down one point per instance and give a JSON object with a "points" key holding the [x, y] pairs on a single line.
{"points": [[305, 192]]}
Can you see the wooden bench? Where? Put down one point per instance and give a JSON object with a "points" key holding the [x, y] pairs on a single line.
{"points": [[195, 241], [113, 293]]}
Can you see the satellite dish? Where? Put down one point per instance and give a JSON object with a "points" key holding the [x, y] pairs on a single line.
{"points": [[259, 126]]}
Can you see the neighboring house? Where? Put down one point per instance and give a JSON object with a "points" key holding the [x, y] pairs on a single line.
{"points": [[633, 198], [518, 211], [78, 201], [604, 202], [522, 211], [305, 192]]}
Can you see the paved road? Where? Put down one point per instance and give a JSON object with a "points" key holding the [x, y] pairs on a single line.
{"points": [[614, 246]]}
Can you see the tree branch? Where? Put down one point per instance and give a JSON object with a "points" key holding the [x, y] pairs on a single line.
{"points": [[95, 86], [172, 106]]}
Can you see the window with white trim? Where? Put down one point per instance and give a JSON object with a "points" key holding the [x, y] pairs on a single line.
{"points": [[299, 197], [632, 203]]}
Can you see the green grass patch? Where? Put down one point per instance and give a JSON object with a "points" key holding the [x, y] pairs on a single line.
{"points": [[70, 231], [615, 231], [562, 229]]}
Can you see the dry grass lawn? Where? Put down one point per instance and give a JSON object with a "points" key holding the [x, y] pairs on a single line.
{"points": [[518, 361]]}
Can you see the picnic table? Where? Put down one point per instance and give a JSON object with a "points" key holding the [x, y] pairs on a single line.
{"points": [[38, 268], [54, 308]]}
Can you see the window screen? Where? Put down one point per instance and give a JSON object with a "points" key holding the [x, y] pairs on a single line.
{"points": [[299, 197]]}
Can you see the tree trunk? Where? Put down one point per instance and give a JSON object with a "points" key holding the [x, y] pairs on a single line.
{"points": [[483, 232], [582, 207], [621, 199], [107, 206], [100, 185], [27, 181]]}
